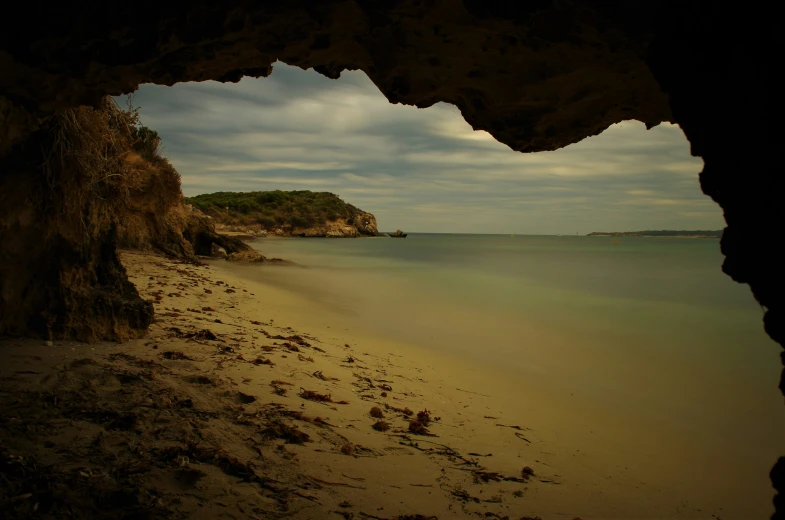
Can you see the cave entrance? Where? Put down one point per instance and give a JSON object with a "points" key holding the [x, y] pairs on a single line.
{"points": [[634, 355]]}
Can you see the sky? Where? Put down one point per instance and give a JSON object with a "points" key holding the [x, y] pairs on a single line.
{"points": [[419, 170]]}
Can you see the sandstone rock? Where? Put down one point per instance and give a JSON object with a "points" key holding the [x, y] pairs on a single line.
{"points": [[362, 225], [246, 256]]}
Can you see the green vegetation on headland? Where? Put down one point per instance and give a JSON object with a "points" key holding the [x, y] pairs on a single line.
{"points": [[305, 213], [659, 233], [273, 208]]}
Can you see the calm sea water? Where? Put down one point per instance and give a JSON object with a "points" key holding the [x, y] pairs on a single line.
{"points": [[648, 328]]}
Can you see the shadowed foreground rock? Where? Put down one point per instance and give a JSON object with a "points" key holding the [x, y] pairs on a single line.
{"points": [[536, 75]]}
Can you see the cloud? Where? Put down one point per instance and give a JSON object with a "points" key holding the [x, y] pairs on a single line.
{"points": [[420, 169]]}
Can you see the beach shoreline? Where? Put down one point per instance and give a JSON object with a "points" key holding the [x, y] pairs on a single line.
{"points": [[209, 408]]}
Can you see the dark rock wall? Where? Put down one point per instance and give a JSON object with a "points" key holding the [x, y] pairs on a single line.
{"points": [[60, 276], [538, 78], [718, 72], [537, 75], [716, 62]]}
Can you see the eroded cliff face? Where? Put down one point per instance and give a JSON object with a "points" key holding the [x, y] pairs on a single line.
{"points": [[154, 215], [76, 191], [60, 276], [536, 75]]}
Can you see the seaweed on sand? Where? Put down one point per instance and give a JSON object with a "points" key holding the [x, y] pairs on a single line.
{"points": [[175, 355], [399, 517], [418, 427], [405, 411], [319, 375], [313, 395], [381, 426], [204, 334], [35, 490], [278, 388], [347, 449], [278, 429]]}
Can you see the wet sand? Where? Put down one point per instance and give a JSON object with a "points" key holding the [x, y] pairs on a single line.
{"points": [[248, 401]]}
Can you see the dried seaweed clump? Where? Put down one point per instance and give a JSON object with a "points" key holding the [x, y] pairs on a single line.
{"points": [[278, 386], [319, 375], [347, 449], [381, 426], [416, 426], [405, 411], [313, 395], [175, 355], [377, 412]]}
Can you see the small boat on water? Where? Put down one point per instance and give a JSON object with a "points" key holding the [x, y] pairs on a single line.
{"points": [[397, 234]]}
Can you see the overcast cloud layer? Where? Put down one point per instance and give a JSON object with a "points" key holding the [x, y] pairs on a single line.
{"points": [[420, 170]]}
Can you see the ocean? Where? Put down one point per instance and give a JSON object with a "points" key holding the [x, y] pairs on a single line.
{"points": [[647, 332]]}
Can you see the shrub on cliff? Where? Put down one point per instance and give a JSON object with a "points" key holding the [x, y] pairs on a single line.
{"points": [[85, 162], [104, 159], [147, 143]]}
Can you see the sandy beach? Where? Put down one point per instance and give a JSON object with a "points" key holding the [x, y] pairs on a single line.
{"points": [[248, 401], [226, 410]]}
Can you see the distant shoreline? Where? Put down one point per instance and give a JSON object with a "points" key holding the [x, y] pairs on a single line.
{"points": [[659, 234]]}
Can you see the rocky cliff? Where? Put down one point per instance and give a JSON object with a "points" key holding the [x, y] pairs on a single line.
{"points": [[75, 193]]}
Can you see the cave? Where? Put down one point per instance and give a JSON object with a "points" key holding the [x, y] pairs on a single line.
{"points": [[537, 76]]}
